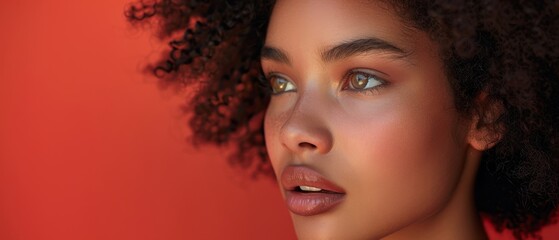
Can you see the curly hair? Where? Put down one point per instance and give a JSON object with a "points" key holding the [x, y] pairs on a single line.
{"points": [[507, 50]]}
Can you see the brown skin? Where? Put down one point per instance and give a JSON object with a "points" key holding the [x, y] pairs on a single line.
{"points": [[500, 53], [405, 156]]}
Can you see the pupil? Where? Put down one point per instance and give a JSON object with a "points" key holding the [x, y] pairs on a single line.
{"points": [[360, 81], [281, 84]]}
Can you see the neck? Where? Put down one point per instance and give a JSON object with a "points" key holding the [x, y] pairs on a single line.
{"points": [[459, 219]]}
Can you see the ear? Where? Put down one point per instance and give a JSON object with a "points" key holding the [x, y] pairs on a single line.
{"points": [[486, 130]]}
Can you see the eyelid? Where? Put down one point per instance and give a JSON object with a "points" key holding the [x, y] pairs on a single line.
{"points": [[379, 74]]}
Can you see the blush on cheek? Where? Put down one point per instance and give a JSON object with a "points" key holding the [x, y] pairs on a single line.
{"points": [[410, 158]]}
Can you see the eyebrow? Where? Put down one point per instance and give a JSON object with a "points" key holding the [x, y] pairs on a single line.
{"points": [[361, 46], [275, 54], [340, 51]]}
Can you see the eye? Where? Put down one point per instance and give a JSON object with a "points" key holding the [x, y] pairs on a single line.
{"points": [[280, 84], [361, 81]]}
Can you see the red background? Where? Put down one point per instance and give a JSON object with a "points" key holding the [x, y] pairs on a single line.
{"points": [[91, 149]]}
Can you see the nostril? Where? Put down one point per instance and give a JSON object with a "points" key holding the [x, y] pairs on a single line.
{"points": [[307, 145]]}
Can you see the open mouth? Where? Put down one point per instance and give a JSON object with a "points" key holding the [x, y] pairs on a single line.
{"points": [[308, 189], [308, 193]]}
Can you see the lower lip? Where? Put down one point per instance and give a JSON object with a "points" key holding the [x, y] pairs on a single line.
{"points": [[309, 204]]}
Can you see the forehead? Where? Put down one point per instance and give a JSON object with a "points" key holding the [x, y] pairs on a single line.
{"points": [[297, 25]]}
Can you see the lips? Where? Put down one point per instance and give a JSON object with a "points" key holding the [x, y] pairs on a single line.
{"points": [[308, 193]]}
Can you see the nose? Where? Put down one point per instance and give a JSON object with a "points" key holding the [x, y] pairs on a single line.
{"points": [[306, 128]]}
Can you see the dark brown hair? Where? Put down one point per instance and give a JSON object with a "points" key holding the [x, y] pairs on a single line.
{"points": [[507, 50]]}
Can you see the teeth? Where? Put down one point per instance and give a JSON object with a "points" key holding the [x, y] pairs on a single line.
{"points": [[310, 189]]}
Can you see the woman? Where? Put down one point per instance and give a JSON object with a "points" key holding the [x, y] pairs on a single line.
{"points": [[381, 119]]}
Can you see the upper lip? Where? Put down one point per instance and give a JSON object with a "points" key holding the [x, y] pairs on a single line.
{"points": [[295, 176]]}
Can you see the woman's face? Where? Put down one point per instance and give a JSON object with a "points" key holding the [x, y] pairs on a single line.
{"points": [[362, 117]]}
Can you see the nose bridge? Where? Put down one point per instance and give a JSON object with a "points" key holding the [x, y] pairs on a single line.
{"points": [[307, 128]]}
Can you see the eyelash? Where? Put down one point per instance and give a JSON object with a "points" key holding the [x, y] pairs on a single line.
{"points": [[368, 74], [346, 82]]}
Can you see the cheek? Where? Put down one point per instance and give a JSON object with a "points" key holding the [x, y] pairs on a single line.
{"points": [[407, 149], [272, 125], [405, 160]]}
